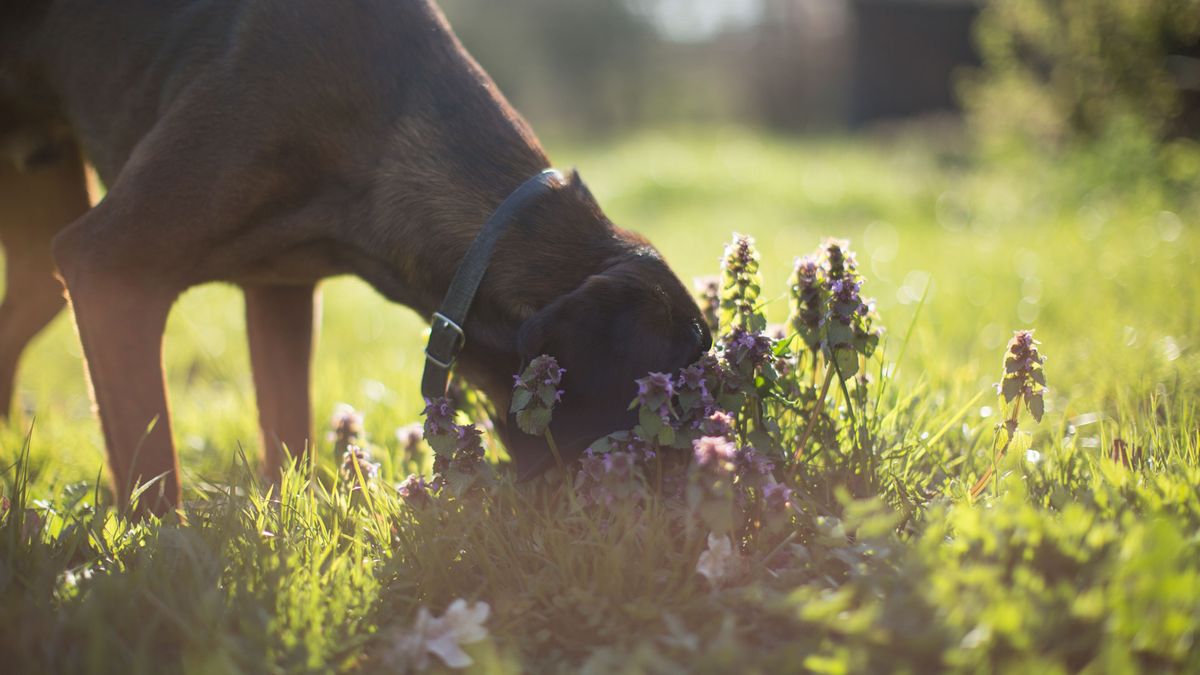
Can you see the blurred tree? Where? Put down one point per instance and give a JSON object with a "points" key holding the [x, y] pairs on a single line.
{"points": [[800, 67], [1059, 72], [572, 64]]}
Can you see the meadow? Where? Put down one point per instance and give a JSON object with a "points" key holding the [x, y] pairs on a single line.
{"points": [[1081, 554]]}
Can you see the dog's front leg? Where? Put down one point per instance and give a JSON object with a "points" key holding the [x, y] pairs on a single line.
{"points": [[120, 314], [280, 326]]}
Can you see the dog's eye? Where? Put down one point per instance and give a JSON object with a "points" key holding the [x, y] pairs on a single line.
{"points": [[703, 337]]}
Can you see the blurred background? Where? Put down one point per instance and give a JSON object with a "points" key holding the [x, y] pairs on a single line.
{"points": [[597, 67]]}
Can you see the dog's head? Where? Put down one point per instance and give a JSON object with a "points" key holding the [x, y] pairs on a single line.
{"points": [[632, 318]]}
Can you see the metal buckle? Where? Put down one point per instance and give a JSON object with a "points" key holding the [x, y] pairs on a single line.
{"points": [[440, 351]]}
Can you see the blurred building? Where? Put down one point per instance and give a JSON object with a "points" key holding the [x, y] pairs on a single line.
{"points": [[906, 56]]}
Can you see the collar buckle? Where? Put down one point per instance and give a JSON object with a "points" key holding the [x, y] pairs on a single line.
{"points": [[446, 337], [446, 340]]}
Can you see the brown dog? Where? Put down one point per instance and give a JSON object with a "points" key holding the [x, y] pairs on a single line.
{"points": [[271, 143]]}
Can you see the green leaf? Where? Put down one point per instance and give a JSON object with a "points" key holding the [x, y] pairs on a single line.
{"points": [[1010, 387], [1037, 406], [847, 362], [666, 436], [650, 423], [839, 335], [548, 394], [442, 444], [534, 421], [521, 399]]}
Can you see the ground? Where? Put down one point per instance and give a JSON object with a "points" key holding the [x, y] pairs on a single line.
{"points": [[1070, 560]]}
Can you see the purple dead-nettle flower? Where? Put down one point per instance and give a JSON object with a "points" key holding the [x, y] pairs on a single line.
{"points": [[440, 429], [346, 427], [1024, 374], [590, 480], [635, 445], [740, 255], [655, 392], [846, 300], [697, 385], [361, 457], [777, 497], [719, 423], [741, 286], [414, 490], [542, 371], [747, 351], [715, 454], [439, 416], [709, 291], [468, 448], [837, 259], [592, 465], [751, 462], [654, 388], [619, 464], [807, 301], [535, 392], [848, 327], [410, 437], [847, 309]]}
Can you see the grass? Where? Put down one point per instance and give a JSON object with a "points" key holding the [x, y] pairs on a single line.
{"points": [[1075, 562]]}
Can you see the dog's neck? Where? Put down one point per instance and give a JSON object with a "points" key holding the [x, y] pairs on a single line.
{"points": [[455, 151], [552, 246]]}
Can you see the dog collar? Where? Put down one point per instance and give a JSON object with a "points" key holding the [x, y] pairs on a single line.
{"points": [[446, 336]]}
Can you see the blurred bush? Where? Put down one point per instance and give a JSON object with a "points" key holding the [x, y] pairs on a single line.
{"points": [[1117, 77]]}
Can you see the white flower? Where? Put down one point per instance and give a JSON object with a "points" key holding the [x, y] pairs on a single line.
{"points": [[442, 636], [719, 563], [461, 625]]}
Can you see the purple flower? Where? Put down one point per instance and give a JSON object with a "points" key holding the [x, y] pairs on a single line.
{"points": [[747, 349], [468, 448], [807, 301], [740, 256], [838, 259], [719, 423], [753, 462], [714, 453], [619, 465], [592, 465], [697, 385], [346, 428], [535, 392], [655, 385], [655, 392], [414, 490], [410, 437], [439, 416], [777, 497], [361, 457], [709, 290], [1024, 375]]}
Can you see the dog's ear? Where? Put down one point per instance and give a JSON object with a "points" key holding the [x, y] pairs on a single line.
{"points": [[571, 318], [613, 315]]}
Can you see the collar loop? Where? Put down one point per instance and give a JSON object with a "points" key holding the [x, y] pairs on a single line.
{"points": [[446, 336]]}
